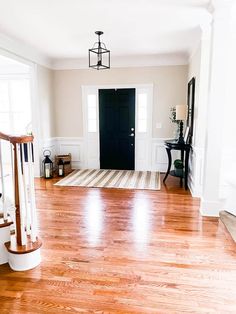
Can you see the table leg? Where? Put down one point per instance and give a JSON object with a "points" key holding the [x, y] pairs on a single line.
{"points": [[186, 169], [169, 163], [182, 158]]}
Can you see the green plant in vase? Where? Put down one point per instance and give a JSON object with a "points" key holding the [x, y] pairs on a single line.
{"points": [[173, 120], [179, 168]]}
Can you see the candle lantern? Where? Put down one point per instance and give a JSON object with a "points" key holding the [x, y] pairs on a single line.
{"points": [[47, 165], [60, 168]]}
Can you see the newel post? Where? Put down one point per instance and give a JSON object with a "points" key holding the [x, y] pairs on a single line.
{"points": [[17, 199]]}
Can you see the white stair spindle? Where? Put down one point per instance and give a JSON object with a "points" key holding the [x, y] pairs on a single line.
{"points": [[3, 184], [21, 195], [32, 194], [26, 189]]}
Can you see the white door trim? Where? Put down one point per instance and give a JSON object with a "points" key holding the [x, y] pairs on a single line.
{"points": [[142, 140]]}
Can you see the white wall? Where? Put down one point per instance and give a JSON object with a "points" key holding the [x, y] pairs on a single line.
{"points": [[169, 91]]}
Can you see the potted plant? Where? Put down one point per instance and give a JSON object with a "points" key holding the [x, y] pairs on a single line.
{"points": [[173, 120], [179, 168]]}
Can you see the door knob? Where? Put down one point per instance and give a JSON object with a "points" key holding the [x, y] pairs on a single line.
{"points": [[132, 134], [132, 129]]}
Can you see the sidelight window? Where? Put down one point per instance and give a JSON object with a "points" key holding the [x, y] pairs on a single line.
{"points": [[92, 113], [142, 112]]}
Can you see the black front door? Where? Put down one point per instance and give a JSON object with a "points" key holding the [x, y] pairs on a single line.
{"points": [[117, 128]]}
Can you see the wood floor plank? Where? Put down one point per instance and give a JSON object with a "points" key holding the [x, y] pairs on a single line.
{"points": [[124, 251]]}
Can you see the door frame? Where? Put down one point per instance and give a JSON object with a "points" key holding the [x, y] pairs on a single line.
{"points": [[142, 140]]}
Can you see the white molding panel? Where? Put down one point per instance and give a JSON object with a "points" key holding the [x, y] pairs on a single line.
{"points": [[74, 146], [47, 144], [159, 155], [195, 178]]}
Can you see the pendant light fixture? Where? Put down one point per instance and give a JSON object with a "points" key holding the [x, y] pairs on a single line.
{"points": [[99, 55]]}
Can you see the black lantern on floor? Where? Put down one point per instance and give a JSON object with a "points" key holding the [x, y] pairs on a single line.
{"points": [[99, 55], [47, 165], [60, 168]]}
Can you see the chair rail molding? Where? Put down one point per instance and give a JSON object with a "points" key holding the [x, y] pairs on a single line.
{"points": [[76, 146]]}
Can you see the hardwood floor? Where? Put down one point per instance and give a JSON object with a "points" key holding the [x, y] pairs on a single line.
{"points": [[124, 251]]}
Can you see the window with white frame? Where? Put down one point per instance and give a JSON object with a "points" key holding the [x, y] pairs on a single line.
{"points": [[142, 106], [92, 113], [15, 105]]}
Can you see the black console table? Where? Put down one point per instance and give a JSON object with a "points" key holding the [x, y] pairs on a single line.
{"points": [[185, 149]]}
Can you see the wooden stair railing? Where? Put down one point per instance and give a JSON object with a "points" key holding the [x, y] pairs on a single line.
{"points": [[25, 239]]}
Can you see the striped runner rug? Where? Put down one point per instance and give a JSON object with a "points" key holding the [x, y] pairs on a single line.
{"points": [[120, 179]]}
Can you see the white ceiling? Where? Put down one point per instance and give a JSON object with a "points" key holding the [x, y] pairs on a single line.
{"points": [[62, 29]]}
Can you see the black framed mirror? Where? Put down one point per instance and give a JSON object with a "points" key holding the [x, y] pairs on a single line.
{"points": [[190, 114]]}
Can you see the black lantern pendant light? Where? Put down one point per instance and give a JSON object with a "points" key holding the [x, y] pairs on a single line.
{"points": [[99, 55]]}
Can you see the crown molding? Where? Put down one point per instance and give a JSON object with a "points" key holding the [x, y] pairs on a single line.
{"points": [[123, 62], [22, 52]]}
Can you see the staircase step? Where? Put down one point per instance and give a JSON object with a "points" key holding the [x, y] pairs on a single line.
{"points": [[5, 223], [229, 221], [15, 248]]}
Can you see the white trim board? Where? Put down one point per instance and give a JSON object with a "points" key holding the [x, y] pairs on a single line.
{"points": [[125, 61], [142, 140]]}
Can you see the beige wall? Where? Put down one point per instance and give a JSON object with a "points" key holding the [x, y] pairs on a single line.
{"points": [[169, 90], [45, 102]]}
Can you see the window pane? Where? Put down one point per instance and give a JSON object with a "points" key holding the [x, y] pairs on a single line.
{"points": [[20, 95], [92, 113], [20, 122], [5, 123], [142, 126], [4, 96], [92, 125], [142, 113]]}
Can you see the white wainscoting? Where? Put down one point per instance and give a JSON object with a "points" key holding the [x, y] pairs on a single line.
{"points": [[196, 163], [159, 155], [47, 144], [75, 146], [65, 145], [158, 162]]}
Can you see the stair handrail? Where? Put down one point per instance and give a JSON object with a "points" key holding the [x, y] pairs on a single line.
{"points": [[16, 139]]}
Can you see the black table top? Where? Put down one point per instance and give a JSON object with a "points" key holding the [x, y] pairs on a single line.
{"points": [[175, 144]]}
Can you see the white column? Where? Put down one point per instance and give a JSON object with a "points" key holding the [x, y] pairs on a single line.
{"points": [[210, 201], [200, 112]]}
